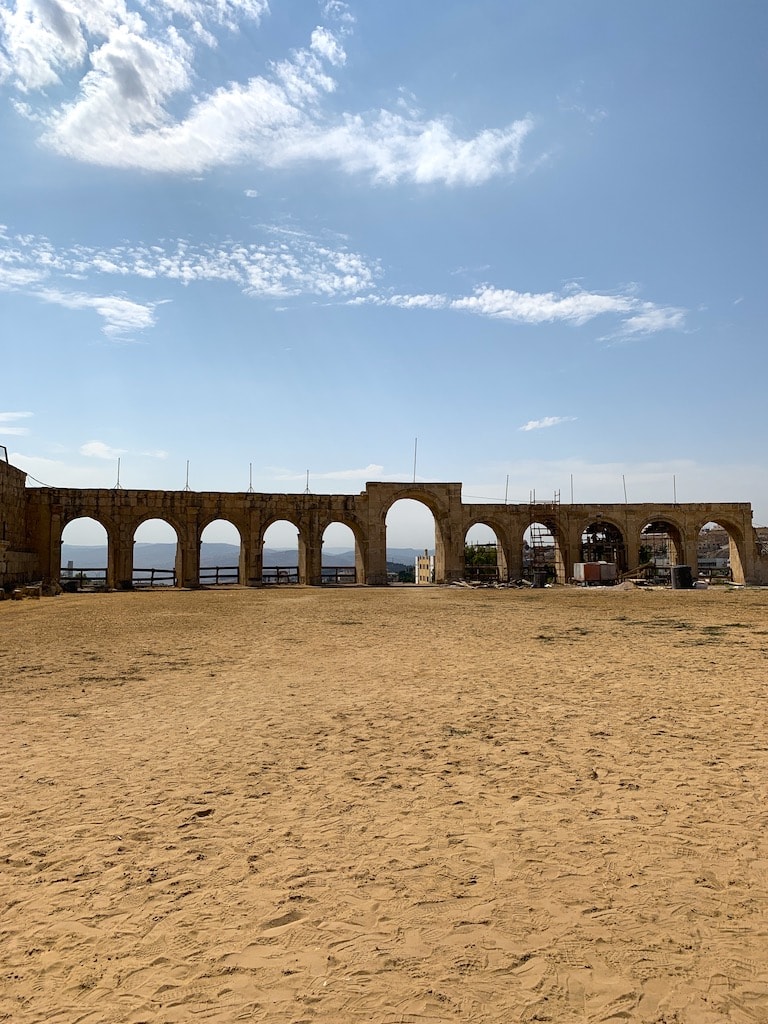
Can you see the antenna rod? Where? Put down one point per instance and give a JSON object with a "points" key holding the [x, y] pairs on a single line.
{"points": [[674, 488], [250, 478], [117, 485], [186, 485], [415, 449], [624, 482], [506, 490]]}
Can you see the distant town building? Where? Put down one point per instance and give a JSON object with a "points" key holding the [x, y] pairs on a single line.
{"points": [[424, 569]]}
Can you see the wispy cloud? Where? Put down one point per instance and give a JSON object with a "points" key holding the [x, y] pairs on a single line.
{"points": [[649, 319], [8, 421], [283, 264], [120, 316], [547, 421], [139, 100], [100, 450], [370, 472], [574, 306]]}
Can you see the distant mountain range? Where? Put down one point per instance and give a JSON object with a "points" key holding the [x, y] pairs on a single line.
{"points": [[163, 556]]}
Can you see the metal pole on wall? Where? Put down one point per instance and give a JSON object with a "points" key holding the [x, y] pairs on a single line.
{"points": [[415, 449], [624, 484], [571, 488], [674, 489], [506, 490]]}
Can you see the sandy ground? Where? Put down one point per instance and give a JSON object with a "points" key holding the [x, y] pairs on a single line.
{"points": [[404, 805]]}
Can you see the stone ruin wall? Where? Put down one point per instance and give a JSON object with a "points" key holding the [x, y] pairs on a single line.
{"points": [[19, 561], [32, 520]]}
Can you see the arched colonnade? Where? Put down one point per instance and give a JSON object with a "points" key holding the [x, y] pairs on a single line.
{"points": [[121, 512]]}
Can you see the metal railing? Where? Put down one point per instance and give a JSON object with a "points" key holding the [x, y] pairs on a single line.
{"points": [[275, 575], [215, 575], [82, 577], [338, 574], [153, 578]]}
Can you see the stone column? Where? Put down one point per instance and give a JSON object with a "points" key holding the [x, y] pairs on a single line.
{"points": [[51, 559], [188, 560], [376, 576], [121, 553], [514, 555], [449, 551]]}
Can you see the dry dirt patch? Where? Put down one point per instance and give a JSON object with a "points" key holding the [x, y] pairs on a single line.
{"points": [[384, 805]]}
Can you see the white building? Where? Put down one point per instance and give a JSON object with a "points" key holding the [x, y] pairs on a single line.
{"points": [[424, 569]]}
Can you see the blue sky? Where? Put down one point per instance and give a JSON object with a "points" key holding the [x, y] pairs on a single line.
{"points": [[298, 236]]}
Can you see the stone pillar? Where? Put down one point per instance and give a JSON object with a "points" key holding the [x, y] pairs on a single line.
{"points": [[572, 545], [188, 561], [111, 577], [314, 550], [376, 576], [449, 551], [121, 554], [303, 557], [253, 550], [51, 559], [514, 556]]}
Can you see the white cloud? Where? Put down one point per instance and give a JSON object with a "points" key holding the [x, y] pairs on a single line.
{"points": [[288, 263], [284, 264], [546, 307], [547, 421], [574, 306], [7, 421], [370, 472], [393, 148], [57, 473], [649, 319], [13, 279], [121, 316], [133, 104], [99, 450]]}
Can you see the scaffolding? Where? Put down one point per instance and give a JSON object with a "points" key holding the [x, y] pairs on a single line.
{"points": [[540, 551]]}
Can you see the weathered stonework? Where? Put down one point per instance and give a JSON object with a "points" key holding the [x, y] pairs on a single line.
{"points": [[34, 519], [19, 559]]}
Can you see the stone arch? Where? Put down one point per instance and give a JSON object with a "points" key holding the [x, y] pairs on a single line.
{"points": [[331, 570], [211, 572], [736, 545], [486, 564], [91, 569], [144, 574], [287, 573], [602, 539], [661, 544], [439, 518], [542, 544], [161, 515]]}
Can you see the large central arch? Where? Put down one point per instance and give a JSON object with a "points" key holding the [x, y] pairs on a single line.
{"points": [[439, 512]]}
